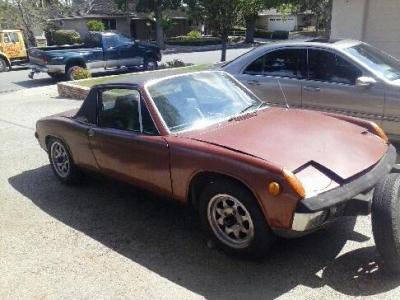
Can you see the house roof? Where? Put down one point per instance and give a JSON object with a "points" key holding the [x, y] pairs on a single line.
{"points": [[103, 7]]}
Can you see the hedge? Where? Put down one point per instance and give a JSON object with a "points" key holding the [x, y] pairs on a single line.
{"points": [[275, 35], [187, 41], [64, 37]]}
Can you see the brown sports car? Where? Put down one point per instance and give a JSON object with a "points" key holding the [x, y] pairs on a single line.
{"points": [[252, 171]]}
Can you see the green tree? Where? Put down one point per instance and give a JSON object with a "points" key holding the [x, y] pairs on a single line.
{"points": [[249, 10], [222, 16], [155, 8], [321, 8]]}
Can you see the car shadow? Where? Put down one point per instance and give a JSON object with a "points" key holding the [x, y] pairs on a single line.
{"points": [[166, 238]]}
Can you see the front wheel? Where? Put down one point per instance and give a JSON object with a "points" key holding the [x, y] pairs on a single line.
{"points": [[3, 65], [150, 64], [230, 214], [386, 221]]}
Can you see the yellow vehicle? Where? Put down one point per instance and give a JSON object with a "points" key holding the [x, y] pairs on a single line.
{"points": [[12, 49]]}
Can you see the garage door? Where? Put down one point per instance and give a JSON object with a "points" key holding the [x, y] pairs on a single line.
{"points": [[279, 23]]}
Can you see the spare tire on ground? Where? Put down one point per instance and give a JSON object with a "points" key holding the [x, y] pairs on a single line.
{"points": [[386, 221]]}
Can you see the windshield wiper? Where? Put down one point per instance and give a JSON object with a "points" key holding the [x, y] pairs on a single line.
{"points": [[248, 108]]}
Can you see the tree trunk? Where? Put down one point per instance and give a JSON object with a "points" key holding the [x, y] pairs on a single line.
{"points": [[250, 29], [27, 25], [159, 29], [224, 38]]}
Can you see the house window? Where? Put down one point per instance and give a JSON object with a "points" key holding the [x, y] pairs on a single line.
{"points": [[110, 24]]}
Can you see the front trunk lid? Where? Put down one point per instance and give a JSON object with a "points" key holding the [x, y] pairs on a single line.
{"points": [[299, 139]]}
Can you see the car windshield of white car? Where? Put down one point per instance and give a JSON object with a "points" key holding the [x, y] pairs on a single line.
{"points": [[201, 99], [382, 63]]}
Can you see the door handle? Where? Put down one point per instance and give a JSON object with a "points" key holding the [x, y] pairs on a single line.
{"points": [[312, 89], [253, 82], [90, 132]]}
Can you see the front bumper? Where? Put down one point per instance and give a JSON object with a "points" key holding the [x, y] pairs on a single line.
{"points": [[350, 199]]}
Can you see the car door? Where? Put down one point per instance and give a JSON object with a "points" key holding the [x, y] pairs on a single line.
{"points": [[331, 86], [111, 52], [126, 143], [129, 53], [276, 75]]}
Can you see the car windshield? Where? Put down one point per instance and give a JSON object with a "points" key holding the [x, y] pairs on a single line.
{"points": [[198, 100], [382, 63]]}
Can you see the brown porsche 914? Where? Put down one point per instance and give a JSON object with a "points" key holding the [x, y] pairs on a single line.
{"points": [[252, 171]]}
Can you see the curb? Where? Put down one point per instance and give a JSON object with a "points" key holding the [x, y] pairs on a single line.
{"points": [[71, 90]]}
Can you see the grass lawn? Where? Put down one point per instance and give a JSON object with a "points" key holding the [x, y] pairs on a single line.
{"points": [[139, 76]]}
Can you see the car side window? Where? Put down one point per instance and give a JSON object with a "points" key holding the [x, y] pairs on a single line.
{"points": [[329, 67], [147, 121], [256, 67], [7, 39], [283, 63], [119, 109], [289, 63]]}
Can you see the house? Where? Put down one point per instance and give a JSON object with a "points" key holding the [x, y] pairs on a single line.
{"points": [[136, 25], [272, 20], [374, 22]]}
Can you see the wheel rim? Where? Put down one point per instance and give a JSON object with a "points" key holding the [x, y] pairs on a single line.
{"points": [[60, 159], [151, 65], [230, 221]]}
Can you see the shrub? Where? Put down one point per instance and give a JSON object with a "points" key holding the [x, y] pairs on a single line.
{"points": [[81, 73], [280, 35], [94, 25], [187, 41], [194, 34], [175, 63], [62, 37], [260, 33]]}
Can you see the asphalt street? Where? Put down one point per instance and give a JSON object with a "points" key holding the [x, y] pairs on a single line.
{"points": [[18, 79], [107, 240]]}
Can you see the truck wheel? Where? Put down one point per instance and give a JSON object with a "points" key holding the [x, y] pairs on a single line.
{"points": [[61, 162], [3, 65], [230, 215], [386, 221], [70, 74], [150, 64]]}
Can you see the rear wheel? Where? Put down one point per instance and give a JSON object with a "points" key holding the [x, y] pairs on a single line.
{"points": [[386, 221], [230, 214], [3, 65], [61, 162], [71, 71]]}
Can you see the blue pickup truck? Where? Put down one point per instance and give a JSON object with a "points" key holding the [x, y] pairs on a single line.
{"points": [[101, 51]]}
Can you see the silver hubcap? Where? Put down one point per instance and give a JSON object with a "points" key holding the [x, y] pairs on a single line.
{"points": [[230, 221], [60, 159]]}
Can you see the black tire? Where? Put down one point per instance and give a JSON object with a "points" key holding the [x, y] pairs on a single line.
{"points": [[386, 221], [56, 76], [262, 238], [69, 75], [3, 65], [150, 64], [70, 176]]}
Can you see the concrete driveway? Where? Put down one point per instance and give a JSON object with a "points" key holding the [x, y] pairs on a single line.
{"points": [[104, 239]]}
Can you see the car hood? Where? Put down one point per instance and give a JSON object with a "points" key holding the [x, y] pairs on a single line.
{"points": [[304, 142]]}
